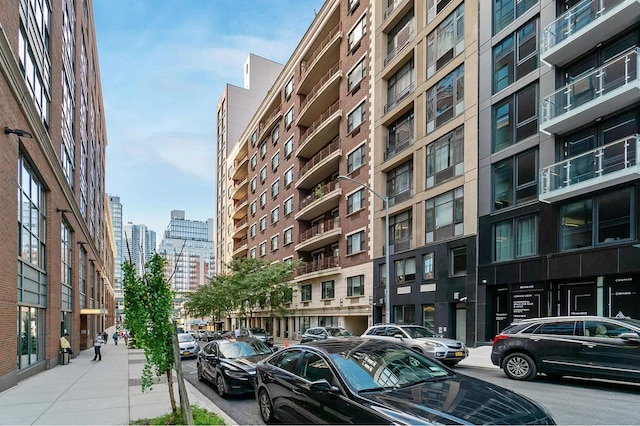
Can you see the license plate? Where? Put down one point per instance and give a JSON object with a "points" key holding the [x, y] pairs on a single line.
{"points": [[459, 353], [186, 353]]}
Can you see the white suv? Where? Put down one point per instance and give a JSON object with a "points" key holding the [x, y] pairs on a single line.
{"points": [[447, 351]]}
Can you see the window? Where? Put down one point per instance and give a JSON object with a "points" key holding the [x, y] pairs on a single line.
{"points": [[400, 36], [288, 176], [445, 157], [305, 292], [288, 206], [445, 42], [263, 174], [252, 230], [252, 253], [275, 188], [523, 107], [328, 289], [515, 180], [355, 242], [515, 238], [254, 138], [355, 286], [445, 100], [254, 161], [288, 89], [263, 149], [263, 199], [263, 223], [427, 266], [253, 207], [434, 7], [400, 134], [458, 261], [288, 236], [275, 134], [400, 85], [356, 159], [275, 161], [254, 184], [288, 147], [400, 183], [355, 76], [288, 118], [405, 270], [507, 11], [275, 215], [355, 118], [263, 248], [288, 261], [516, 56], [355, 201], [274, 242], [444, 216], [400, 231], [66, 288], [355, 35]]}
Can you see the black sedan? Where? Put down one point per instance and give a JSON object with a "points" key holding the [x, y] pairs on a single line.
{"points": [[231, 364], [369, 381]]}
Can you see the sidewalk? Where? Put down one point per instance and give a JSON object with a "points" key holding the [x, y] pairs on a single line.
{"points": [[85, 392]]}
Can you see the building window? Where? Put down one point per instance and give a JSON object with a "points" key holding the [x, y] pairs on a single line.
{"points": [[400, 85], [263, 174], [288, 206], [445, 42], [288, 236], [444, 216], [253, 207], [275, 215], [507, 11], [352, 6], [400, 183], [275, 161], [288, 89], [458, 257], [288, 118], [288, 177], [288, 147], [515, 180], [355, 118], [405, 270], [254, 184], [65, 257], [516, 118], [600, 220], [31, 218], [305, 292], [355, 201], [515, 56], [328, 289], [400, 231], [356, 75], [445, 157], [275, 134], [356, 159], [400, 134], [275, 188], [252, 230], [252, 253], [263, 223], [254, 138], [515, 238], [263, 199], [434, 7], [274, 242], [254, 161], [263, 149], [263, 248], [427, 266], [445, 100], [355, 242], [355, 35], [355, 286]]}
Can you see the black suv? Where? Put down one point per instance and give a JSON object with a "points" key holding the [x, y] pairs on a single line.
{"points": [[579, 346]]}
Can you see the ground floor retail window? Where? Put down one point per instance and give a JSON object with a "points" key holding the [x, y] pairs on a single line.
{"points": [[31, 333], [404, 314], [327, 321], [429, 316]]}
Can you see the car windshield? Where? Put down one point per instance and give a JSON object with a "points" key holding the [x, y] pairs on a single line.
{"points": [[417, 332], [386, 367], [244, 349], [338, 332], [633, 322], [185, 338], [258, 331]]}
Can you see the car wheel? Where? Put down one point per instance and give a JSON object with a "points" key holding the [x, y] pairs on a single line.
{"points": [[220, 385], [519, 366], [199, 371], [266, 407]]}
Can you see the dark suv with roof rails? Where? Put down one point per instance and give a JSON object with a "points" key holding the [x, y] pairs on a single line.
{"points": [[578, 346]]}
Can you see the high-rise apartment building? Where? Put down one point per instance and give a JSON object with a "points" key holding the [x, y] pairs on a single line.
{"points": [[56, 257], [138, 245], [116, 220]]}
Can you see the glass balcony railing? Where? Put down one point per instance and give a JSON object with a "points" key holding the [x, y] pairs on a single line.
{"points": [[586, 170], [399, 96]]}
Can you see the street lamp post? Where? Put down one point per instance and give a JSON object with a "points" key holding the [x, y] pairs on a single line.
{"points": [[387, 287]]}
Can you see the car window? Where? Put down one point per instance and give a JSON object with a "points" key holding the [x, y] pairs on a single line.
{"points": [[604, 329], [244, 349], [287, 360], [313, 331], [392, 331], [517, 328], [338, 332], [559, 328], [418, 332], [314, 368], [185, 338], [208, 349], [377, 331], [258, 330]]}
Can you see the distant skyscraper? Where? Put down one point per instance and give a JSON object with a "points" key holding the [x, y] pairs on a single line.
{"points": [[116, 220], [138, 245]]}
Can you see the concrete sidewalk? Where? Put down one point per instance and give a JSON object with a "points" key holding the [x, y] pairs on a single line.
{"points": [[106, 392]]}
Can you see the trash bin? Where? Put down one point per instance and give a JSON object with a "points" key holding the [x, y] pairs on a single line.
{"points": [[64, 357]]}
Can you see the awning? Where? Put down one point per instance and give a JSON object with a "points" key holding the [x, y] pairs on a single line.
{"points": [[99, 311]]}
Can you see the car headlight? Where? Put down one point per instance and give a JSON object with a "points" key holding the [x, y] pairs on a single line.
{"points": [[237, 374], [436, 344]]}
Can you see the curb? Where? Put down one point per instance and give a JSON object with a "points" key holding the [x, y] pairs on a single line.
{"points": [[204, 402]]}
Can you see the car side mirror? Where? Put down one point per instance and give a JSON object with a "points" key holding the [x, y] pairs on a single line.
{"points": [[323, 335], [274, 349], [633, 337], [323, 385], [399, 336]]}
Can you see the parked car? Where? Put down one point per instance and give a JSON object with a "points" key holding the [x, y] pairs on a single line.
{"points": [[188, 345], [447, 351], [231, 364], [372, 381], [258, 333], [579, 346], [321, 333]]}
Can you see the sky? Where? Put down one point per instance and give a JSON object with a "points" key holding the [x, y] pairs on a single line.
{"points": [[163, 67]]}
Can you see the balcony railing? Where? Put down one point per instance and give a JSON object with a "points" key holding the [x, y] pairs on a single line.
{"points": [[240, 244], [319, 265], [590, 87], [392, 7], [240, 223], [238, 184], [315, 90], [266, 124], [318, 192], [318, 229], [240, 161], [326, 152], [403, 93], [316, 124], [400, 196], [585, 170], [403, 42], [241, 201], [396, 246], [400, 144], [305, 66]]}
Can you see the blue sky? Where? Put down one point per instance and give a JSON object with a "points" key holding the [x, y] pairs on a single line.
{"points": [[163, 65]]}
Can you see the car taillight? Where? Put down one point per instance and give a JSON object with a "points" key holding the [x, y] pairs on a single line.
{"points": [[499, 337]]}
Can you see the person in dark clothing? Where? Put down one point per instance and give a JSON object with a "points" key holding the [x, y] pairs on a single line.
{"points": [[105, 337], [115, 338], [97, 343]]}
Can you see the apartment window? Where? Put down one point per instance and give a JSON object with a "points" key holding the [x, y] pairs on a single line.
{"points": [[400, 134], [434, 7], [515, 238], [328, 289], [288, 176], [516, 56], [356, 75], [288, 236], [400, 183], [444, 216], [405, 270], [263, 199], [356, 159], [275, 134], [445, 42], [263, 149], [515, 180], [275, 188], [305, 292], [458, 258], [288, 206], [66, 288], [428, 267], [275, 161], [400, 35], [274, 242], [599, 220], [263, 248], [263, 174], [400, 85], [355, 201], [507, 11], [254, 138], [355, 286], [263, 223], [445, 157], [400, 231], [352, 6], [355, 35], [288, 261], [288, 89], [254, 184], [275, 215], [515, 118], [288, 147], [252, 253], [252, 230], [445, 100], [288, 118], [253, 207], [355, 118], [254, 161], [355, 242]]}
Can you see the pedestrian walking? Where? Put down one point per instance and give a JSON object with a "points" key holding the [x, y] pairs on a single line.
{"points": [[126, 338], [115, 338], [97, 343], [105, 337]]}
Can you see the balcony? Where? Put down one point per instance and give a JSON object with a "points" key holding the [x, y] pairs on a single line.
{"points": [[240, 207], [320, 131], [327, 48], [585, 25], [602, 91], [240, 188], [402, 94], [400, 196], [321, 166], [318, 268], [404, 37], [321, 96], [240, 248], [322, 199], [394, 13], [240, 168], [603, 167], [320, 235], [267, 124], [240, 227]]}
